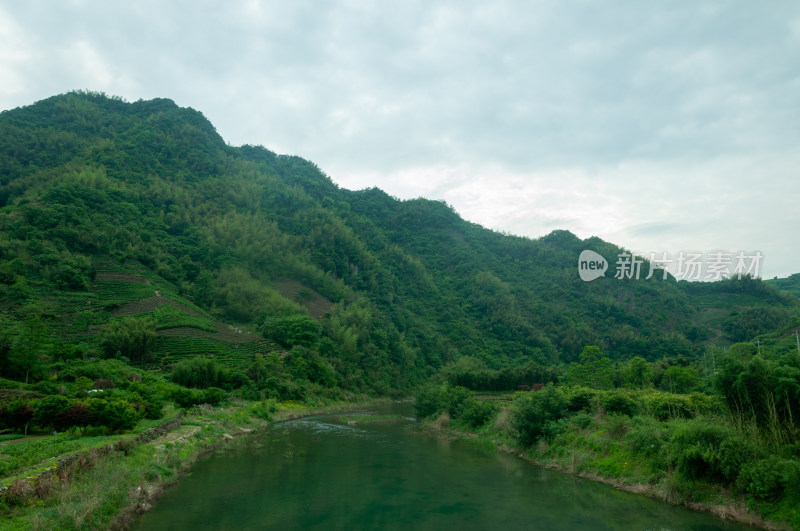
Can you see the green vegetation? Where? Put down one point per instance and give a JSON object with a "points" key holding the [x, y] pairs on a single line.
{"points": [[790, 284], [105, 481], [146, 265], [131, 337], [734, 444], [140, 211]]}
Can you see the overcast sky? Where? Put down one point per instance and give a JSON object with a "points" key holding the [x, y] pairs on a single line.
{"points": [[660, 126]]}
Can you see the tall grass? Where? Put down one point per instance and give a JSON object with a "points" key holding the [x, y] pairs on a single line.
{"points": [[772, 432], [93, 495]]}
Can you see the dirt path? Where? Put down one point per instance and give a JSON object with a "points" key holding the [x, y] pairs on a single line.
{"points": [[177, 435], [23, 439]]}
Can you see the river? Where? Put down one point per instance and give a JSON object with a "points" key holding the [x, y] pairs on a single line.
{"points": [[323, 473]]}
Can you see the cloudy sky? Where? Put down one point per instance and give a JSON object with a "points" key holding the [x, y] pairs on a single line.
{"points": [[662, 126]]}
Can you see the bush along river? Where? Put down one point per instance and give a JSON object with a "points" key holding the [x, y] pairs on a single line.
{"points": [[375, 470]]}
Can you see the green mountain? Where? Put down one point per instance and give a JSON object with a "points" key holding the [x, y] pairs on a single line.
{"points": [[790, 284], [133, 230]]}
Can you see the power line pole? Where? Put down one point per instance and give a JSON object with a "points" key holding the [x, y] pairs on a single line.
{"points": [[798, 341]]}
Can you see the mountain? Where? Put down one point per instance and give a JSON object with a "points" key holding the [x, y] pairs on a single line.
{"points": [[117, 217], [790, 284]]}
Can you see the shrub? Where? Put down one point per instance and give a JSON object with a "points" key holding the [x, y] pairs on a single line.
{"points": [[263, 409], [285, 389], [214, 396], [115, 414], [104, 384], [619, 402], [580, 398], [768, 479], [532, 412], [186, 398], [455, 399], [476, 413], [702, 449], [646, 436], [153, 408], [249, 391], [665, 406], [705, 404], [49, 387], [583, 420], [428, 401], [616, 425]]}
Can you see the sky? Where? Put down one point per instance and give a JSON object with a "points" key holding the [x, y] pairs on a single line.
{"points": [[660, 126]]}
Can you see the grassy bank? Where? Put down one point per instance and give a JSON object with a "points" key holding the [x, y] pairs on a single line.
{"points": [[699, 458], [105, 484]]}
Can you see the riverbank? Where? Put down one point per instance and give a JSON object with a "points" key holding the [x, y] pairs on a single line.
{"points": [[108, 488], [576, 461]]}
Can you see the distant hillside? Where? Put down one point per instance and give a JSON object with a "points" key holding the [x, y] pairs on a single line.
{"points": [[790, 284], [111, 210]]}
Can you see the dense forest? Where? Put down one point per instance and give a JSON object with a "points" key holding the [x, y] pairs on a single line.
{"points": [[145, 260], [367, 292]]}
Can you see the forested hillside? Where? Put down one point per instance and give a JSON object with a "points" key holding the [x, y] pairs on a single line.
{"points": [[132, 230], [790, 283], [148, 269]]}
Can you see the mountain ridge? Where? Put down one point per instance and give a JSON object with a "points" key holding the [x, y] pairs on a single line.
{"points": [[89, 180]]}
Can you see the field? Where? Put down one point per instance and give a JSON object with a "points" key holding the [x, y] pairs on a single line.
{"points": [[183, 329]]}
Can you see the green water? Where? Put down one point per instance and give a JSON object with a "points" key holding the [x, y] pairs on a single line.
{"points": [[321, 473]]}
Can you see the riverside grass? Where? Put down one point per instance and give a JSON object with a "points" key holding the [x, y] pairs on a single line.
{"points": [[613, 449], [110, 491]]}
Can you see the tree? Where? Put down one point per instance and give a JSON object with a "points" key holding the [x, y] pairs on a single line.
{"points": [[132, 337], [78, 416], [639, 374], [17, 415], [595, 369], [293, 330], [49, 412], [258, 369], [428, 400], [533, 413], [6, 344], [679, 379], [115, 414], [27, 349], [197, 372], [83, 385]]}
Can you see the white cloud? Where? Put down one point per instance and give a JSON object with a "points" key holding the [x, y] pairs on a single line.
{"points": [[15, 54], [656, 126]]}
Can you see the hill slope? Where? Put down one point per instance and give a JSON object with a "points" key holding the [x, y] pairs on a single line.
{"points": [[371, 292]]}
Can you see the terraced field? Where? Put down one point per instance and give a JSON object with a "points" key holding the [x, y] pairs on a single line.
{"points": [[113, 276], [195, 334], [149, 304], [113, 293], [222, 333], [170, 350]]}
